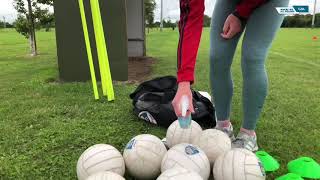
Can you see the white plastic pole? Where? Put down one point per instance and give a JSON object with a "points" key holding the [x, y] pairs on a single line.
{"points": [[161, 16], [314, 13]]}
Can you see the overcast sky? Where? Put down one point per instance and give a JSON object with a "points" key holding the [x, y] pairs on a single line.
{"points": [[171, 8]]}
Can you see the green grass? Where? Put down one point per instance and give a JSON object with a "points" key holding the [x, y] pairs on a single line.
{"points": [[45, 126]]}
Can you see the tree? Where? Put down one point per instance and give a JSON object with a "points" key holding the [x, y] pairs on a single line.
{"points": [[46, 18], [22, 26], [47, 2], [317, 22], [206, 21], [25, 23], [169, 24], [149, 6], [156, 24], [29, 13]]}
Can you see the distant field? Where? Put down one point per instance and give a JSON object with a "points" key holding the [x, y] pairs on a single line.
{"points": [[45, 126]]}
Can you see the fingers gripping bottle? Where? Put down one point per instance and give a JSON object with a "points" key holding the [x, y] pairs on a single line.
{"points": [[184, 120]]}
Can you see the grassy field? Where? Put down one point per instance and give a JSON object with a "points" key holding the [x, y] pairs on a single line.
{"points": [[45, 126]]}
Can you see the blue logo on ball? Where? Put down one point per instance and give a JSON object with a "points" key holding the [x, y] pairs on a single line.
{"points": [[191, 150], [131, 144]]}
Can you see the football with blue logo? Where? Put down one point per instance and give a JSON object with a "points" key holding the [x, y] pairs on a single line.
{"points": [[189, 157], [238, 164], [177, 135], [143, 155]]}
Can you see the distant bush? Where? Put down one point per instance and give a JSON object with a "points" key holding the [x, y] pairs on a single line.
{"points": [[300, 21], [8, 25]]}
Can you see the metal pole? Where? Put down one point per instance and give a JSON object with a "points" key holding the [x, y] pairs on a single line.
{"points": [[161, 16], [314, 13]]}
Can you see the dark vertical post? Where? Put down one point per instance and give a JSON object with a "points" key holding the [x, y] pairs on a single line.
{"points": [[144, 29], [136, 28], [71, 51]]}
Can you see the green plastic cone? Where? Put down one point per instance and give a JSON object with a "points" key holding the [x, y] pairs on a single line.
{"points": [[306, 167], [269, 163], [290, 176]]}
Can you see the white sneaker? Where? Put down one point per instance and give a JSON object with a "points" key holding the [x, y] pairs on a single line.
{"points": [[227, 130], [244, 140]]}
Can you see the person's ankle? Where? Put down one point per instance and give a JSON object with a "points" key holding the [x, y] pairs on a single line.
{"points": [[249, 132], [224, 124]]}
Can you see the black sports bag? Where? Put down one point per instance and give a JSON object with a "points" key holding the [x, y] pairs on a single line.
{"points": [[152, 103]]}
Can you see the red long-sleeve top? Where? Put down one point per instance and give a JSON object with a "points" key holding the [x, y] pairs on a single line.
{"points": [[190, 29]]}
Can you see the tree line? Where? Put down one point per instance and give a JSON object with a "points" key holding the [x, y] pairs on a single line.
{"points": [[173, 24], [296, 21], [32, 16], [5, 25], [300, 21]]}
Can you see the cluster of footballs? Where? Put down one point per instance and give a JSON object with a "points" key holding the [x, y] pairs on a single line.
{"points": [[187, 154]]}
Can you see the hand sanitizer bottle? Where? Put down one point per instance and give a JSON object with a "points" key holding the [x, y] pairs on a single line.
{"points": [[184, 120]]}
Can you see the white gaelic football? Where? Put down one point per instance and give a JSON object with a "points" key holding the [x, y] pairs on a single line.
{"points": [[100, 157], [179, 174], [177, 135], [105, 175], [214, 143], [238, 164], [187, 156], [143, 156]]}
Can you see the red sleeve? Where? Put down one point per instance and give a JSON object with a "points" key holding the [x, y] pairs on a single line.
{"points": [[190, 29], [246, 7]]}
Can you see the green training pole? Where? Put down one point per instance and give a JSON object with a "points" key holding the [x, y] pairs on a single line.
{"points": [[106, 79], [88, 47]]}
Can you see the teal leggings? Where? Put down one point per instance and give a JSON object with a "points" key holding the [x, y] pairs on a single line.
{"points": [[259, 33]]}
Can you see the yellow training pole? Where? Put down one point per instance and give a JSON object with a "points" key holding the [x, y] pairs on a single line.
{"points": [[106, 79], [98, 42], [88, 47]]}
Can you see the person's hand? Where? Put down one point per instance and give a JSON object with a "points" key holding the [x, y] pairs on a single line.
{"points": [[232, 26], [183, 90]]}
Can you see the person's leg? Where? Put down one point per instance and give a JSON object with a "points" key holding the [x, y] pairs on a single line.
{"points": [[221, 56], [261, 29]]}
